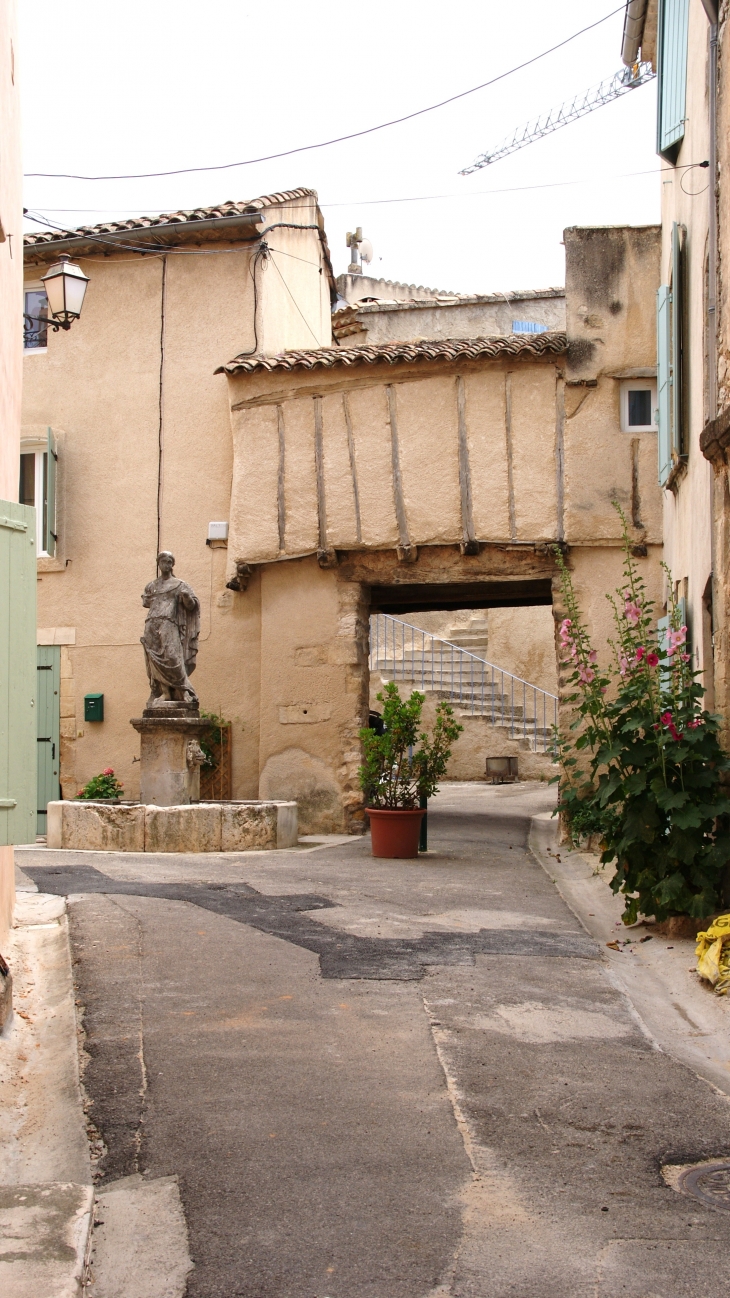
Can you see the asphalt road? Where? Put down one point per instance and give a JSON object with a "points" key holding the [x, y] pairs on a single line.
{"points": [[387, 1079]]}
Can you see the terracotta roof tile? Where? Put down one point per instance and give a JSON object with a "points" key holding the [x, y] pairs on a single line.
{"points": [[398, 353], [230, 208]]}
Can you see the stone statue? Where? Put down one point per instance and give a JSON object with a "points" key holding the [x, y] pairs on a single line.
{"points": [[170, 639]]}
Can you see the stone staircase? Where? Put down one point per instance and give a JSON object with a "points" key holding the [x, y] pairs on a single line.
{"points": [[502, 715]]}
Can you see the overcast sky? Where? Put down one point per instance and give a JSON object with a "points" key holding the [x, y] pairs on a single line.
{"points": [[153, 86]]}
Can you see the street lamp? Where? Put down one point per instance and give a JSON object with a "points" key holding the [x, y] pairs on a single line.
{"points": [[65, 286]]}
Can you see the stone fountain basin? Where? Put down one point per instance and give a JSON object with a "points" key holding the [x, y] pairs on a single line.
{"points": [[195, 827]]}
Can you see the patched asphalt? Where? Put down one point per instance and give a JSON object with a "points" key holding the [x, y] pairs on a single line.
{"points": [[360, 1105]]}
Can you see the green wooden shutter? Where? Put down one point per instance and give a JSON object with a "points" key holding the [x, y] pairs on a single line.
{"points": [[672, 67], [17, 673], [48, 741], [49, 496], [664, 400]]}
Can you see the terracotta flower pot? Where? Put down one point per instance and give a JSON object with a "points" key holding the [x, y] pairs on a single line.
{"points": [[395, 833]]}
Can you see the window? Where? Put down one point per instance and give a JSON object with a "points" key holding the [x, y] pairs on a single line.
{"points": [[35, 330], [38, 488], [672, 68], [528, 327], [638, 405]]}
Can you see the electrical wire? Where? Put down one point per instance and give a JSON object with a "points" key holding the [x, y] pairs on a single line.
{"points": [[340, 139], [370, 202], [516, 189], [259, 256]]}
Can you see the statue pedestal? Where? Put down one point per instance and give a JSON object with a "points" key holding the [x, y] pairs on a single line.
{"points": [[168, 776]]}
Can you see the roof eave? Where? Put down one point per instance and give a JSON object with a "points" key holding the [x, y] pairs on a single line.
{"points": [[424, 351], [154, 237]]}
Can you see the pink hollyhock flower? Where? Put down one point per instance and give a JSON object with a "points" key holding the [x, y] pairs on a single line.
{"points": [[623, 666], [640, 653], [592, 656], [586, 674], [632, 612], [109, 771], [692, 725], [676, 638], [652, 659], [685, 657], [666, 717]]}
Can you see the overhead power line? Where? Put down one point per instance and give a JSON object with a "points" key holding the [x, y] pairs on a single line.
{"points": [[340, 139], [586, 102]]}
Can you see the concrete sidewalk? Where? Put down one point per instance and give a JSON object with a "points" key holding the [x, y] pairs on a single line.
{"points": [[340, 1077], [656, 973]]}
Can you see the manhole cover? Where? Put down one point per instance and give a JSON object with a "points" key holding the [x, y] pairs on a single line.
{"points": [[710, 1183]]}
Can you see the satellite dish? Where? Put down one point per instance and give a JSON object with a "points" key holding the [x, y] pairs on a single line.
{"points": [[365, 249]]}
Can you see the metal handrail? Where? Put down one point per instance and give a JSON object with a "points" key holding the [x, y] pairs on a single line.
{"points": [[398, 648]]}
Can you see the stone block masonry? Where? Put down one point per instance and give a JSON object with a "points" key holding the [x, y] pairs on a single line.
{"points": [[196, 827]]}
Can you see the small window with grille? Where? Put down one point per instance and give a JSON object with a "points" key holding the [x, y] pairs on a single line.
{"points": [[638, 406], [35, 316]]}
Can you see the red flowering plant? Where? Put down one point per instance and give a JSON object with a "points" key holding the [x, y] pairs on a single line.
{"points": [[102, 787], [654, 785]]}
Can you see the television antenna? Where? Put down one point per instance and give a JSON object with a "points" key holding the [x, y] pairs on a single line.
{"points": [[586, 102], [360, 248]]}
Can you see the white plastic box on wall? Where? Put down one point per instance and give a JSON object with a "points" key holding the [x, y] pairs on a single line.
{"points": [[217, 534]]}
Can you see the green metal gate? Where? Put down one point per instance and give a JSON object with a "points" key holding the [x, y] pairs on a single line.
{"points": [[48, 704]]}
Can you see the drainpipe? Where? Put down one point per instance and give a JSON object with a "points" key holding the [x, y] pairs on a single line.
{"points": [[633, 31], [712, 237]]}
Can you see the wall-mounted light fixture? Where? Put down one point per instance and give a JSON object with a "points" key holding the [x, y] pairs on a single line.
{"points": [[65, 286]]}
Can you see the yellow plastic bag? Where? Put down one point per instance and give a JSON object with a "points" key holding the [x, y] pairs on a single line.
{"points": [[713, 954]]}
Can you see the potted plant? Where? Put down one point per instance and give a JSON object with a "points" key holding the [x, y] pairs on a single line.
{"points": [[102, 788], [396, 776]]}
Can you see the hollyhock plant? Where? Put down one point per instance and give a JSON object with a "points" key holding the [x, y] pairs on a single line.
{"points": [[653, 785]]}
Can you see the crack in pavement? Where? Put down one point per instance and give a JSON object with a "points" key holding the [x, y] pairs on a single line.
{"points": [[341, 954]]}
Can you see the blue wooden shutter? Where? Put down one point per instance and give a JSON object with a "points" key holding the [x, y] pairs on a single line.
{"points": [[677, 366], [664, 391], [49, 496], [17, 673], [672, 61]]}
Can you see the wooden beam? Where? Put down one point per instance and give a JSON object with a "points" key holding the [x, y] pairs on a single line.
{"points": [[469, 544], [407, 553]]}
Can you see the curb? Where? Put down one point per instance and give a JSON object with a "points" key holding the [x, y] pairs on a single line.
{"points": [[46, 1191]]}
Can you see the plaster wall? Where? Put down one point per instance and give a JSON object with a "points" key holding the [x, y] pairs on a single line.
{"points": [[313, 692], [11, 282], [101, 387], [688, 504], [474, 318], [612, 275], [715, 204], [405, 455]]}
